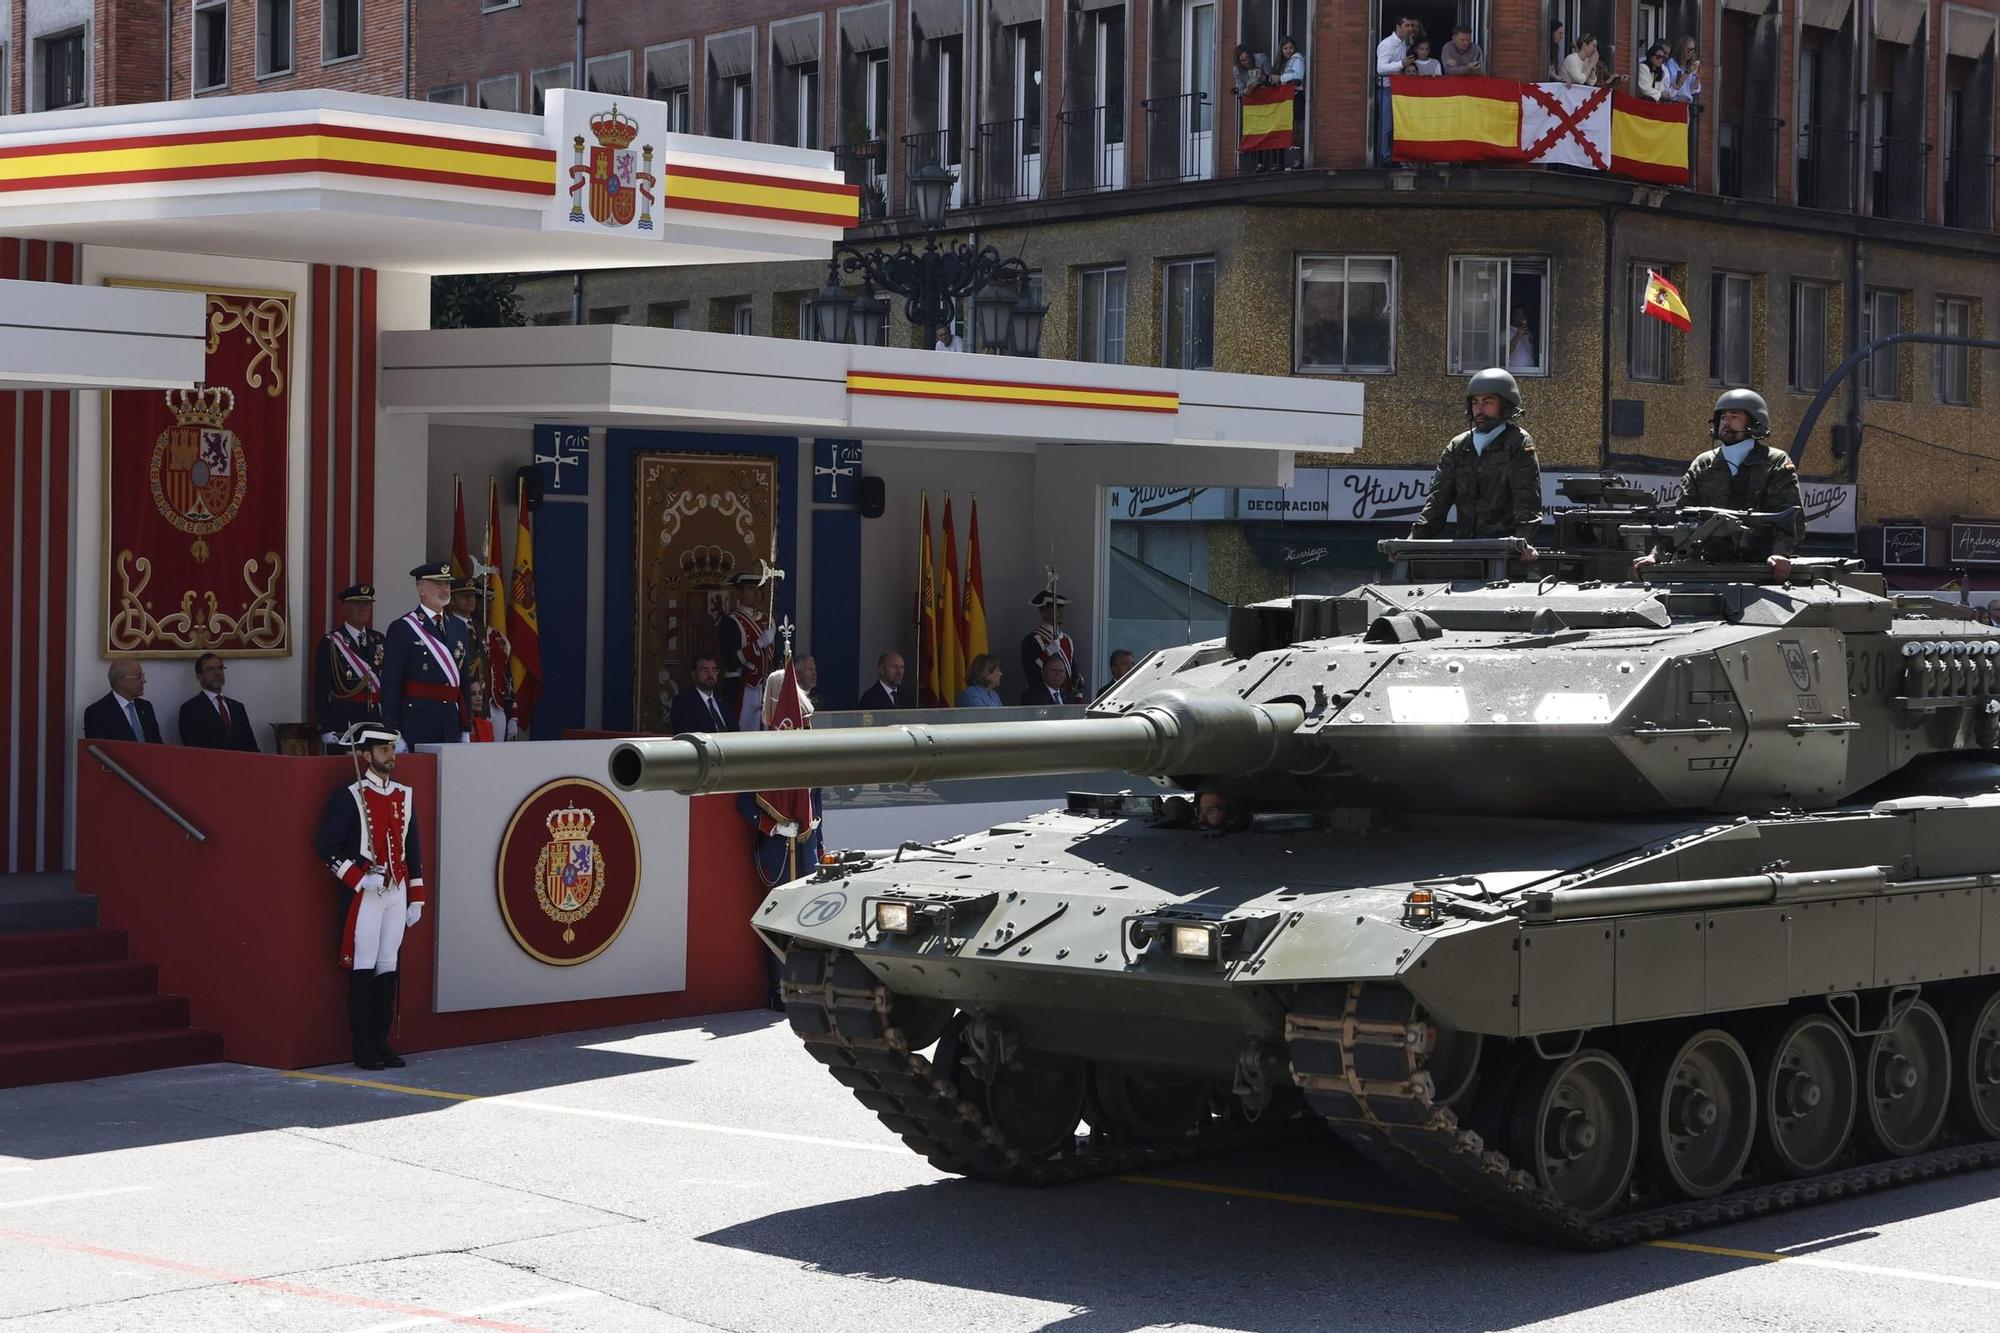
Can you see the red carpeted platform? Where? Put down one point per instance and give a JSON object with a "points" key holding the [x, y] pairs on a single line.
{"points": [[72, 1005]]}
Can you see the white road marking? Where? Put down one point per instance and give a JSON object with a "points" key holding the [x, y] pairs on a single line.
{"points": [[80, 1194], [695, 1126], [528, 1302], [1901, 1274]]}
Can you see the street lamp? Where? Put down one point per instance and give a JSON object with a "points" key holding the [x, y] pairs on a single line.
{"points": [[1025, 331], [932, 184]]}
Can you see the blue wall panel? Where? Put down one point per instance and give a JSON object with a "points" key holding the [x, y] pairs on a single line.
{"points": [[562, 572], [836, 637]]}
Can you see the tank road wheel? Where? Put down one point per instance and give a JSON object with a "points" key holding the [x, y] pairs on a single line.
{"points": [[1453, 1065], [1905, 1083], [1576, 1128], [1149, 1109], [1701, 1114], [1975, 1041], [1035, 1102], [921, 1020], [1806, 1084]]}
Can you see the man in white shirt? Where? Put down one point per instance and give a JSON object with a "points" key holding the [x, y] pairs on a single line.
{"points": [[1392, 56]]}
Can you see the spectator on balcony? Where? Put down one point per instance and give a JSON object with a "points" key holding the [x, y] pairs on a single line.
{"points": [[1652, 81], [1582, 66], [1423, 62], [948, 340], [1683, 74], [1392, 56], [1292, 71], [1557, 50], [1460, 55], [1253, 70]]}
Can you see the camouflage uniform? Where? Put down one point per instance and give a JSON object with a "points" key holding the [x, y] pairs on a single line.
{"points": [[1766, 483], [1498, 493]]}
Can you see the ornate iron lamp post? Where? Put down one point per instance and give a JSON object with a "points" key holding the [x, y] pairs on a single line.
{"points": [[931, 282]]}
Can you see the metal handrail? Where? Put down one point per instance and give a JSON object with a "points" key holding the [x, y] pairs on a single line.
{"points": [[113, 766]]}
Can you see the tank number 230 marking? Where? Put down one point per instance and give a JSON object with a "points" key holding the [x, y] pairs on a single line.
{"points": [[1870, 672]]}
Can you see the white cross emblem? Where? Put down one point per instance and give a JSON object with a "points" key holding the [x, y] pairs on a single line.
{"points": [[836, 472], [559, 460]]}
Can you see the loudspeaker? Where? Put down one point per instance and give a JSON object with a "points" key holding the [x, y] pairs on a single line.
{"points": [[530, 479], [874, 497]]}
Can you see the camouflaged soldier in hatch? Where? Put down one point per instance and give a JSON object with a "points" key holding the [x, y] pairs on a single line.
{"points": [[1742, 472], [1496, 485]]}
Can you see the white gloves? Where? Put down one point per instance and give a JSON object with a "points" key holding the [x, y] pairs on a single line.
{"points": [[464, 737], [787, 830], [414, 915], [513, 729], [330, 739], [402, 746], [372, 881]]}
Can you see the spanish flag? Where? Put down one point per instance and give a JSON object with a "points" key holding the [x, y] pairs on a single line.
{"points": [[951, 628], [1663, 301], [1463, 119], [1267, 119], [1649, 140], [497, 653], [975, 593], [524, 620], [461, 550], [927, 623]]}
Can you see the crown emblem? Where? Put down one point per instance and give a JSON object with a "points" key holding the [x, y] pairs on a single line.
{"points": [[571, 823], [203, 405], [614, 130], [707, 562]]}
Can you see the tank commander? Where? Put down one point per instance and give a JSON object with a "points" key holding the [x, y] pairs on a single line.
{"points": [[1488, 473], [1742, 472]]}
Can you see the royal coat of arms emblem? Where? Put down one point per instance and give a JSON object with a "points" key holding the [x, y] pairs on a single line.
{"points": [[569, 874], [620, 182], [197, 472]]}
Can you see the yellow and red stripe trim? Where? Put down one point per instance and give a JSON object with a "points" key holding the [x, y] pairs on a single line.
{"points": [[1649, 140], [1004, 391], [277, 150], [749, 195]]}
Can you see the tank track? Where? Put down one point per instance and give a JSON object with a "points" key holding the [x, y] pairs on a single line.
{"points": [[845, 1017], [1357, 1053]]}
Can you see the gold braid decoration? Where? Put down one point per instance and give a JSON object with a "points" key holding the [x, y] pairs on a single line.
{"points": [[198, 628], [265, 322]]}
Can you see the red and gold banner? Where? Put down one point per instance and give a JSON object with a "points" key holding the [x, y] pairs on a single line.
{"points": [[1266, 115], [195, 495], [1474, 119]]}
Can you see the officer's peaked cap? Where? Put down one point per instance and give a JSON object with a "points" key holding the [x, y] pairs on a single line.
{"points": [[358, 592], [439, 570]]}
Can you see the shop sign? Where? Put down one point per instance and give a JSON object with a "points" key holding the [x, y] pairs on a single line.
{"points": [[1975, 543]]}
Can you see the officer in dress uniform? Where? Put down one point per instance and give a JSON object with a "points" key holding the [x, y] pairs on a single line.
{"points": [[745, 636], [368, 838], [347, 667], [465, 610], [1048, 640], [1488, 472], [424, 678]]}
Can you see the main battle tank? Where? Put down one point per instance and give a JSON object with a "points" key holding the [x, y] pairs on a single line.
{"points": [[1612, 904]]}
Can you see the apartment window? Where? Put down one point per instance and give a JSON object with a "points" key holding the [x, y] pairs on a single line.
{"points": [[1807, 358], [609, 74], [340, 32], [743, 319], [502, 92], [805, 320], [274, 37], [668, 70], [1100, 314], [544, 80], [731, 62], [211, 44], [1346, 308], [1648, 350], [1882, 315], [62, 71], [452, 96], [1499, 314], [1188, 340], [669, 315], [610, 314], [488, 6], [1954, 364], [1729, 320]]}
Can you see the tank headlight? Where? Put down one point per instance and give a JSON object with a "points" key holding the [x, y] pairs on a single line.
{"points": [[892, 918], [1194, 942]]}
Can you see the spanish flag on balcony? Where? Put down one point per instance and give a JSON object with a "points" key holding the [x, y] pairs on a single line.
{"points": [[1649, 140], [1663, 301], [1462, 119], [1267, 119]]}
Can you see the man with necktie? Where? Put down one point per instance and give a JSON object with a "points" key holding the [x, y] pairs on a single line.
{"points": [[424, 676], [212, 721], [123, 714], [701, 708], [888, 690]]}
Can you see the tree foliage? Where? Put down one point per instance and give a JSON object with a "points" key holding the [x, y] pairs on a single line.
{"points": [[476, 301]]}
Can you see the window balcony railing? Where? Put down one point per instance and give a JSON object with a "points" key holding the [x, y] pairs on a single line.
{"points": [[1826, 155], [1968, 189], [1900, 169], [1746, 157], [1180, 137], [1009, 159], [865, 166], [1093, 148], [933, 147]]}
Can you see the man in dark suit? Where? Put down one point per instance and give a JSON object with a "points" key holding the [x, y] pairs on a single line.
{"points": [[1053, 688], [211, 721], [701, 708], [123, 714], [888, 690]]}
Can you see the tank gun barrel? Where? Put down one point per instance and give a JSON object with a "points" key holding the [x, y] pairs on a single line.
{"points": [[1171, 732]]}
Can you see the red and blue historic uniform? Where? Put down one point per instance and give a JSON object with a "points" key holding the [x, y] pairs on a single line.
{"points": [[425, 683], [370, 827], [1042, 643], [744, 637]]}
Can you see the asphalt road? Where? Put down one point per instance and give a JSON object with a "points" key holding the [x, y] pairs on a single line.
{"points": [[710, 1175]]}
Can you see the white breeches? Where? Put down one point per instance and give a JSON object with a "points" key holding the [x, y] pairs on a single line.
{"points": [[378, 928]]}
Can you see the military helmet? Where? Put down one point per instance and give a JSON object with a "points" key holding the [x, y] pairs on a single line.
{"points": [[1494, 380], [1742, 400]]}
